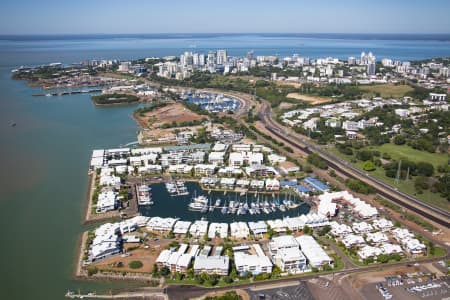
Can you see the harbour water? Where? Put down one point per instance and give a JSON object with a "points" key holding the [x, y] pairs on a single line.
{"points": [[179, 205], [44, 158]]}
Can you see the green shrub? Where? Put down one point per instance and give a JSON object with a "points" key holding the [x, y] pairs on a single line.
{"points": [[135, 264], [92, 271], [369, 166], [358, 186]]}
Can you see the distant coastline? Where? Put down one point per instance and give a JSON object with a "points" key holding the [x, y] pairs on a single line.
{"points": [[445, 37]]}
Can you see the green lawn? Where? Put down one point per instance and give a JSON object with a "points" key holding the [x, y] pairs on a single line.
{"points": [[401, 152], [405, 186], [388, 90], [439, 252]]}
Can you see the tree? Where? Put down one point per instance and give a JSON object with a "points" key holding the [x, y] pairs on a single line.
{"points": [[307, 230], [324, 230], [369, 166], [199, 279], [425, 169], [421, 183], [276, 272], [190, 273], [359, 186], [233, 274], [386, 156], [383, 258], [317, 161], [155, 272], [368, 260], [443, 186], [178, 276], [327, 267], [396, 257], [345, 149], [164, 271], [364, 155], [213, 280], [399, 139], [270, 232]]}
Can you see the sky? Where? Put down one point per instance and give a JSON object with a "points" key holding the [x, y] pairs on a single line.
{"points": [[232, 16]]}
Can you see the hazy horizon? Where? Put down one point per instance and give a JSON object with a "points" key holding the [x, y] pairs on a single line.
{"points": [[27, 17], [226, 33]]}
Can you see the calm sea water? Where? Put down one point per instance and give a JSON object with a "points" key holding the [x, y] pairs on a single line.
{"points": [[44, 158], [179, 205]]}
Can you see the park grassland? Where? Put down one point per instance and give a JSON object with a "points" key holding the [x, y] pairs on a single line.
{"points": [[387, 90], [398, 152], [406, 186]]}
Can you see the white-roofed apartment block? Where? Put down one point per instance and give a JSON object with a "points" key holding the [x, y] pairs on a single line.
{"points": [[107, 201], [362, 227], [255, 263], [199, 228], [258, 227], [239, 230], [382, 224], [212, 265], [106, 242], [161, 224], [176, 260], [218, 230], [340, 230], [317, 257], [287, 255], [216, 158], [353, 240], [377, 238], [181, 227]]}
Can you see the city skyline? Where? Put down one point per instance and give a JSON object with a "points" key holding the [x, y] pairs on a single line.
{"points": [[174, 16]]}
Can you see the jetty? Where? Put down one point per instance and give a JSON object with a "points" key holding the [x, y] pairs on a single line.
{"points": [[65, 93], [176, 188]]}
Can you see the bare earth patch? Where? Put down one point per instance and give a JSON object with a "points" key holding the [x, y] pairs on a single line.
{"points": [[165, 115], [286, 105], [311, 99], [288, 83], [146, 256]]}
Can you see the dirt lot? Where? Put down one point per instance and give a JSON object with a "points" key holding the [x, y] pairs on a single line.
{"points": [[146, 256], [289, 83], [311, 99], [371, 277], [366, 284], [244, 295], [165, 115], [286, 105]]}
